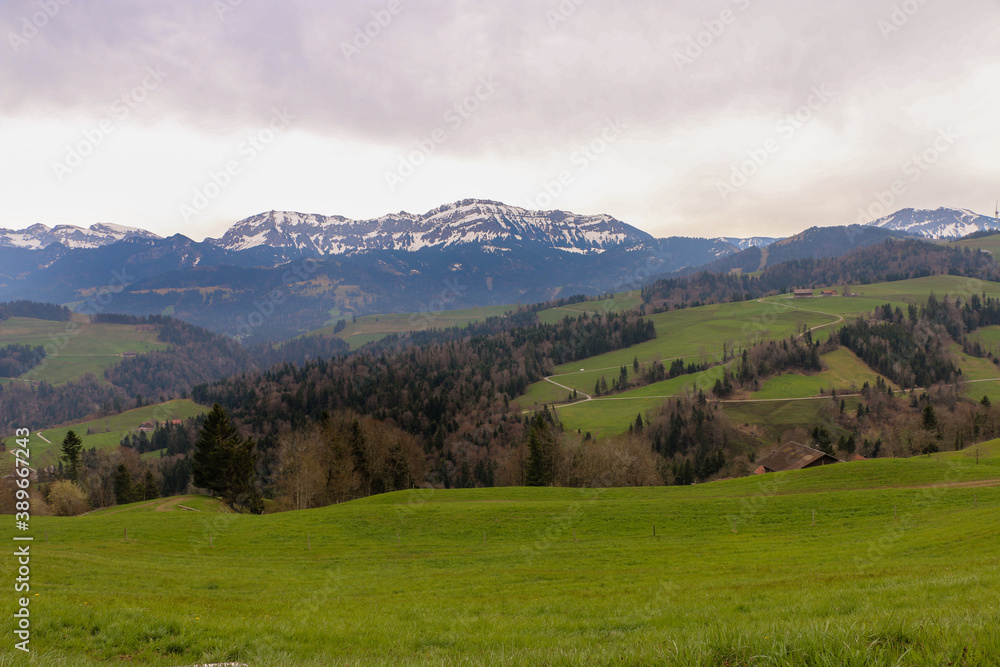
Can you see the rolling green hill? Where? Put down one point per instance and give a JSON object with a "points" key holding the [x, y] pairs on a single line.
{"points": [[77, 347], [698, 333], [990, 244], [109, 431], [899, 568], [375, 327]]}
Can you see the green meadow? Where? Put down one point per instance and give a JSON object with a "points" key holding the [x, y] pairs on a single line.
{"points": [[699, 333], [617, 303], [691, 334], [842, 371], [990, 244], [899, 567], [370, 328], [109, 431], [77, 347]]}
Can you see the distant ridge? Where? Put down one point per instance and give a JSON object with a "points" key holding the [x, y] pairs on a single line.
{"points": [[490, 224], [938, 223]]}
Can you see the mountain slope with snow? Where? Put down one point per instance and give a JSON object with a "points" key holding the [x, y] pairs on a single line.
{"points": [[39, 236], [751, 242], [470, 221], [939, 223]]}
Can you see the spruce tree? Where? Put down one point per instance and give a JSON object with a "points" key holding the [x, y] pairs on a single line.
{"points": [[72, 445], [225, 464], [930, 421], [216, 439], [540, 455], [124, 492], [150, 489]]}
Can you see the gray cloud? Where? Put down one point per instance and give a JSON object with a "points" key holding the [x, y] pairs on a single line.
{"points": [[560, 74]]}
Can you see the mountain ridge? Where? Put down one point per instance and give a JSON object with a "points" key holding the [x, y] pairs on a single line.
{"points": [[939, 223]]}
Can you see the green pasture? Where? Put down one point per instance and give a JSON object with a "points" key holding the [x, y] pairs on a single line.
{"points": [[900, 568], [842, 370], [990, 244], [109, 431], [617, 303], [77, 347], [376, 327]]}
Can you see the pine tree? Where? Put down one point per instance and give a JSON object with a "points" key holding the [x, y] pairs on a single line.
{"points": [[540, 455], [225, 464], [124, 493], [149, 488], [930, 421], [72, 445]]}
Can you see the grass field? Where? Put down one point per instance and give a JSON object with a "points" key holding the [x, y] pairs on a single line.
{"points": [[696, 333], [375, 327], [691, 334], [109, 431], [990, 244], [77, 347], [618, 303], [900, 568], [842, 370]]}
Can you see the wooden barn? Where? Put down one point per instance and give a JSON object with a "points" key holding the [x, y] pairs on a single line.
{"points": [[802, 293], [793, 456]]}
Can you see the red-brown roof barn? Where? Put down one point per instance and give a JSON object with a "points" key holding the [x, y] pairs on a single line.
{"points": [[793, 456]]}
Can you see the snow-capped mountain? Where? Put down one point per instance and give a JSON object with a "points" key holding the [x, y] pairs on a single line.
{"points": [[939, 223], [39, 236], [752, 242], [489, 224]]}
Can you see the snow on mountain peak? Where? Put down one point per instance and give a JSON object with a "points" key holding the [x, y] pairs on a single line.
{"points": [[939, 223], [469, 221], [39, 236]]}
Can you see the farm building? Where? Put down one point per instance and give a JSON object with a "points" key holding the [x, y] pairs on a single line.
{"points": [[828, 292], [147, 426], [793, 456], [802, 293], [129, 354]]}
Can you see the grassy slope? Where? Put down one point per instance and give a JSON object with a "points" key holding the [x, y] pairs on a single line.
{"points": [[77, 347], [375, 327], [990, 244], [617, 303], [565, 576], [842, 370], [685, 333], [112, 429], [691, 334]]}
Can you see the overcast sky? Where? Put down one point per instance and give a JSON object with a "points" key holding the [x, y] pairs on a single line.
{"points": [[722, 117]]}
